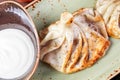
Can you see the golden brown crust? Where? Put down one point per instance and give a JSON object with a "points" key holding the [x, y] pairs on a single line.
{"points": [[92, 19], [86, 41], [77, 47], [111, 16], [113, 26], [82, 58]]}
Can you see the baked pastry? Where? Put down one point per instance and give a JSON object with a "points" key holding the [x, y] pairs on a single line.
{"points": [[109, 9], [75, 42], [95, 39]]}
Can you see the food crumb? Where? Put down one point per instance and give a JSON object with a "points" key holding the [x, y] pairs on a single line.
{"points": [[50, 78]]}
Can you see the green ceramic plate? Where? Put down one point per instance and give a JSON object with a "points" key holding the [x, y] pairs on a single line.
{"points": [[46, 12]]}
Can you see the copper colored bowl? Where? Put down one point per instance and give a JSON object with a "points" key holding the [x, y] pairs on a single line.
{"points": [[18, 15]]}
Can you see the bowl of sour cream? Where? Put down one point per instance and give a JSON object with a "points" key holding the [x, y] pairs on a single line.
{"points": [[19, 43]]}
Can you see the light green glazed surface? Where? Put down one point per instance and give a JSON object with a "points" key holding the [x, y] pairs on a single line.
{"points": [[47, 12]]}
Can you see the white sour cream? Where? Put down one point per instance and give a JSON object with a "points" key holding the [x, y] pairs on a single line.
{"points": [[16, 53]]}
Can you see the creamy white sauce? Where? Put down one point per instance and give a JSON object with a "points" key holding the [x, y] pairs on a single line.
{"points": [[16, 53]]}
